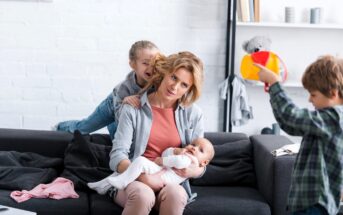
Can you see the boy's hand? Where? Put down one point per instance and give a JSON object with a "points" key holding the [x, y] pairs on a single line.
{"points": [[267, 76], [159, 161], [133, 100]]}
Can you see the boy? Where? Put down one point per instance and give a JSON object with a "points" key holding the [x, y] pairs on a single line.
{"points": [[107, 112], [318, 170], [200, 152]]}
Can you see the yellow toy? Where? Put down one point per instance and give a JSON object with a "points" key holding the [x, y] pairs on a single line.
{"points": [[258, 51]]}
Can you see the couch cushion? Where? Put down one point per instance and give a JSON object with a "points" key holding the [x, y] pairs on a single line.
{"points": [[227, 200], [49, 206], [24, 171], [232, 164], [86, 161]]}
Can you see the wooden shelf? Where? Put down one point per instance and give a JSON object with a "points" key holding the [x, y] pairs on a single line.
{"points": [[290, 25]]}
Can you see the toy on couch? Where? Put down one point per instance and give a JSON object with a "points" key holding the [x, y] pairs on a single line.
{"points": [[258, 49]]}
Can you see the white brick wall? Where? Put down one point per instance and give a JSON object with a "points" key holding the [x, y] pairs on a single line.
{"points": [[59, 59]]}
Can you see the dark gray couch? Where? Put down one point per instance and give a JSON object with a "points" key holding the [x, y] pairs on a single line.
{"points": [[244, 178]]}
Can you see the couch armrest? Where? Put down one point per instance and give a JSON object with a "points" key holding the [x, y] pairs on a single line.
{"points": [[273, 174]]}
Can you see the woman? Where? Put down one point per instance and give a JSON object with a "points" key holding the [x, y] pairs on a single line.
{"points": [[165, 119]]}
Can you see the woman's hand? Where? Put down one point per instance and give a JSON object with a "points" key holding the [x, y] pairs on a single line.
{"points": [[159, 161], [133, 100], [123, 165], [190, 172], [267, 76], [154, 181]]}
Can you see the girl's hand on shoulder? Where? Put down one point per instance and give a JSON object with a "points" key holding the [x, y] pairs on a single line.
{"points": [[133, 100], [190, 172]]}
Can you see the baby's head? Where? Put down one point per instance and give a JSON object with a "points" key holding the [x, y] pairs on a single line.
{"points": [[324, 81], [202, 149], [140, 55]]}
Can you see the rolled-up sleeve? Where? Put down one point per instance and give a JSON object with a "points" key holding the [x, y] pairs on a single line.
{"points": [[123, 137]]}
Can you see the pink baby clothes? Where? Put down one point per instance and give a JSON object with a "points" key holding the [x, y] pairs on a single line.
{"points": [[60, 188]]}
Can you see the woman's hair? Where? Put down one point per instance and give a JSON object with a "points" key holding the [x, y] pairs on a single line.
{"points": [[163, 66], [324, 75], [139, 45]]}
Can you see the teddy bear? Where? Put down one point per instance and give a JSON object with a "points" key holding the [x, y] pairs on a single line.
{"points": [[258, 51], [256, 44]]}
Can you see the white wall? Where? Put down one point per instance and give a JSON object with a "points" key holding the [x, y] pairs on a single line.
{"points": [[273, 11], [298, 47], [60, 58]]}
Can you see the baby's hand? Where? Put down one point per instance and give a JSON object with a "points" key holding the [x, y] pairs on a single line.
{"points": [[133, 100], [267, 76], [179, 151], [159, 161]]}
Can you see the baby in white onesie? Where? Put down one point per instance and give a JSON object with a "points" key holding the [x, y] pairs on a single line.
{"points": [[199, 153]]}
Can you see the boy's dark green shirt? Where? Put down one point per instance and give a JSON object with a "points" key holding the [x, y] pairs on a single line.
{"points": [[317, 175]]}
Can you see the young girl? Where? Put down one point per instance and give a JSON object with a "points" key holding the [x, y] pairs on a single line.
{"points": [[107, 112]]}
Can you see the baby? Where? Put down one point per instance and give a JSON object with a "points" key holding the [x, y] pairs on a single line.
{"points": [[200, 152]]}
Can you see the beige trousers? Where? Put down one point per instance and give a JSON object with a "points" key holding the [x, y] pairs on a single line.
{"points": [[138, 198]]}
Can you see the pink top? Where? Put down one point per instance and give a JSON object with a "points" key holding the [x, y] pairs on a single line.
{"points": [[163, 134]]}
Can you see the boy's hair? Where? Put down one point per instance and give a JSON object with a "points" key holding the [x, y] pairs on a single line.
{"points": [[142, 44], [162, 66], [324, 75]]}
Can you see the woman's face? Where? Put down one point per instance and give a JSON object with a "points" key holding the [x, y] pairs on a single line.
{"points": [[176, 84]]}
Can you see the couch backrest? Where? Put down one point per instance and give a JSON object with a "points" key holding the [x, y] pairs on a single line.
{"points": [[48, 143], [232, 165], [233, 161]]}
